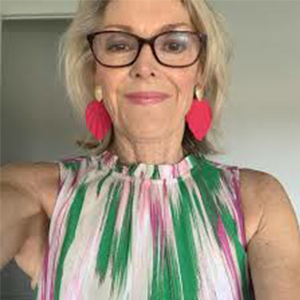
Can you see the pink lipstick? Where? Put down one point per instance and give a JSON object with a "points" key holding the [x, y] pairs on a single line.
{"points": [[144, 98]]}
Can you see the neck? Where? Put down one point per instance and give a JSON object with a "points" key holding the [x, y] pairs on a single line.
{"points": [[167, 150]]}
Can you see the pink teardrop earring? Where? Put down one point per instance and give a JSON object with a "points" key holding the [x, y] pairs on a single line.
{"points": [[97, 119], [199, 117]]}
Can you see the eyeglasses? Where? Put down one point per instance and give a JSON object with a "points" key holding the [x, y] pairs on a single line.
{"points": [[175, 49]]}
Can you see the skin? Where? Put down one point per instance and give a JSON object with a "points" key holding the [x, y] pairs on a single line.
{"points": [[152, 133]]}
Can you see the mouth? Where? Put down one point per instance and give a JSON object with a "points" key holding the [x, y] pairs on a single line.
{"points": [[147, 97]]}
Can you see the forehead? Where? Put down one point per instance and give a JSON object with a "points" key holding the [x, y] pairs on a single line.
{"points": [[145, 15]]}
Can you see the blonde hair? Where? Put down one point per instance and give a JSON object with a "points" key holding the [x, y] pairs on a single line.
{"points": [[77, 66]]}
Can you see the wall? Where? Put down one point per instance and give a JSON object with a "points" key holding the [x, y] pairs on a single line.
{"points": [[36, 121], [45, 9], [261, 118]]}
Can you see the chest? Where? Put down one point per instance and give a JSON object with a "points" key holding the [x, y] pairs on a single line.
{"points": [[137, 241]]}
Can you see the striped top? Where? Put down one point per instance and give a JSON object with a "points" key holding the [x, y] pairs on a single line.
{"points": [[146, 232]]}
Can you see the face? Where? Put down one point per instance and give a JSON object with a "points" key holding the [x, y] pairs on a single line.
{"points": [[155, 121]]}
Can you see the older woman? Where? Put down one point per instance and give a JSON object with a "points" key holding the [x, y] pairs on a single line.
{"points": [[145, 215]]}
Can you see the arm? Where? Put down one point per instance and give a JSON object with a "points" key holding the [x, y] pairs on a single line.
{"points": [[274, 250], [28, 192]]}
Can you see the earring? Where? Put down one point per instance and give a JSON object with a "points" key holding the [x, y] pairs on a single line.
{"points": [[97, 119], [199, 117]]}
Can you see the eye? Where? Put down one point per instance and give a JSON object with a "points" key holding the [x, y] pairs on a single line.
{"points": [[174, 46], [116, 47]]}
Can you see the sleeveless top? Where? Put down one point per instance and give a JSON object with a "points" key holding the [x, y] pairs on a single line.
{"points": [[145, 232]]}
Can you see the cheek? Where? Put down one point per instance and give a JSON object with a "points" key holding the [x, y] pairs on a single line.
{"points": [[102, 78], [109, 82], [186, 80], [186, 84]]}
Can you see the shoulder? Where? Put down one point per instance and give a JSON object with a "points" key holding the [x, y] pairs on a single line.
{"points": [[39, 178], [258, 181], [263, 197], [262, 187], [274, 241]]}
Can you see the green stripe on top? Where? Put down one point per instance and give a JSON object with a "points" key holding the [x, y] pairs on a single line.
{"points": [[208, 184], [122, 246], [101, 182], [166, 274], [155, 174], [35, 292], [105, 245], [188, 260], [72, 165], [171, 274], [72, 222]]}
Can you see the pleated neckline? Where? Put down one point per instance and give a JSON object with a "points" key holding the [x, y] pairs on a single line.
{"points": [[150, 171]]}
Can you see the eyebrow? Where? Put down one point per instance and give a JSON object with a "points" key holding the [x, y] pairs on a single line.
{"points": [[163, 28]]}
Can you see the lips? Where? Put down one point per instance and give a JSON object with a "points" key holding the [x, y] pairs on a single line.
{"points": [[147, 97]]}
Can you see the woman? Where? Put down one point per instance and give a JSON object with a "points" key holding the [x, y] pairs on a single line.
{"points": [[146, 214]]}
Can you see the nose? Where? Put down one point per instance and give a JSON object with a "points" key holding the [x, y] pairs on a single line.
{"points": [[145, 62]]}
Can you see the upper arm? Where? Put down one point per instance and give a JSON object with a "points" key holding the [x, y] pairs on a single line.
{"points": [[40, 179], [274, 249]]}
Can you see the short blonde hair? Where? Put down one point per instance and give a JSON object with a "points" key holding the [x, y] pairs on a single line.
{"points": [[77, 66]]}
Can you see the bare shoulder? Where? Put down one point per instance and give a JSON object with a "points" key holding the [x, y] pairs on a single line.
{"points": [[260, 191], [41, 178], [273, 236]]}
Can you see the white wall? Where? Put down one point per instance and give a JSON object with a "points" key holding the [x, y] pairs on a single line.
{"points": [[262, 116], [42, 9]]}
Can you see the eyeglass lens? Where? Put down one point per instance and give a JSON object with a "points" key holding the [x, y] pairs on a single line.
{"points": [[175, 48]]}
